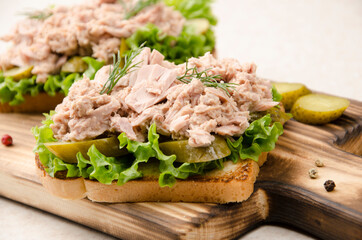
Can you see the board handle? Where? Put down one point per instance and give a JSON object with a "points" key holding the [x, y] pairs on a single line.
{"points": [[297, 207]]}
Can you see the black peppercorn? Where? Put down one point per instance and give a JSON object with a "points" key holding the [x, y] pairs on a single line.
{"points": [[329, 185]]}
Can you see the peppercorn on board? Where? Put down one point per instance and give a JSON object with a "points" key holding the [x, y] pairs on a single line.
{"points": [[284, 192]]}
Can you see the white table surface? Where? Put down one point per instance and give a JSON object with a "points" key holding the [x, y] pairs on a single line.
{"points": [[318, 43]]}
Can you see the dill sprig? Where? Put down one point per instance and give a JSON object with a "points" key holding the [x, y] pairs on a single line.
{"points": [[214, 81], [141, 4], [38, 14], [118, 69]]}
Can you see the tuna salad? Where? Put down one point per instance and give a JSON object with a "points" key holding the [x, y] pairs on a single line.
{"points": [[153, 93], [189, 117], [49, 45]]}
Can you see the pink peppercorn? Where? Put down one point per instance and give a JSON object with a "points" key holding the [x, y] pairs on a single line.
{"points": [[7, 140]]}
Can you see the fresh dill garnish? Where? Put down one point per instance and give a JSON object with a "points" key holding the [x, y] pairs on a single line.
{"points": [[214, 81], [38, 14], [117, 71], [141, 4]]}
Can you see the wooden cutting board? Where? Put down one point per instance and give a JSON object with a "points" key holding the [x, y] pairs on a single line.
{"points": [[283, 193]]}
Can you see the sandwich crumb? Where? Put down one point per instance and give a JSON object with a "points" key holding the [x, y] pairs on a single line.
{"points": [[313, 173], [329, 185], [319, 163]]}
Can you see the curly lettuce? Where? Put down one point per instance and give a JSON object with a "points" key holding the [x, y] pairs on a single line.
{"points": [[277, 97], [93, 66], [13, 92], [121, 169], [168, 172], [259, 137], [104, 169], [188, 44], [176, 49], [191, 9], [51, 163]]}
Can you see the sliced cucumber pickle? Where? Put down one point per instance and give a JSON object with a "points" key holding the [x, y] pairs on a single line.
{"points": [[318, 108], [200, 25], [75, 65], [276, 114], [19, 73], [185, 153], [290, 92], [67, 151], [122, 49]]}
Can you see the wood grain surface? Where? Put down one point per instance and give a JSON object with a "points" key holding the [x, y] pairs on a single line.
{"points": [[283, 191]]}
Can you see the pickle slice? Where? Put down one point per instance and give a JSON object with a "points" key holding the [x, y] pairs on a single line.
{"points": [[200, 25], [67, 151], [19, 73], [122, 49], [185, 153], [75, 65], [290, 92], [276, 115], [318, 108]]}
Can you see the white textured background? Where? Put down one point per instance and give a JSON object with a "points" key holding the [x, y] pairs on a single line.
{"points": [[318, 43]]}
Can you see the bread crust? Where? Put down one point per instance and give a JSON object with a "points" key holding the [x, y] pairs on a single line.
{"points": [[34, 104], [234, 183]]}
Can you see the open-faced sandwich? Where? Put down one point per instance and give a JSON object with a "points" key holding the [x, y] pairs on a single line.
{"points": [[53, 48], [155, 131]]}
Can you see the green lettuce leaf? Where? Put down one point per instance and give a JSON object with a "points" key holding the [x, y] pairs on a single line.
{"points": [[169, 172], [176, 49], [167, 166], [13, 91], [53, 84], [259, 137], [83, 165], [51, 163], [104, 169], [191, 9], [68, 82], [123, 169], [277, 97], [93, 66], [188, 44], [142, 153]]}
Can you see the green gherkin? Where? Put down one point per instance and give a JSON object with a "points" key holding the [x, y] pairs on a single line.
{"points": [[318, 108]]}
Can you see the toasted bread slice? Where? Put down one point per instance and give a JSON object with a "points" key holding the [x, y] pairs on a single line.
{"points": [[38, 104], [234, 183]]}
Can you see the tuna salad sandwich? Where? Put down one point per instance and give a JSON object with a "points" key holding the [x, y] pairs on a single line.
{"points": [[156, 131], [53, 48]]}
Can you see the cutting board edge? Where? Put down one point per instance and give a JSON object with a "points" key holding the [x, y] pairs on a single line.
{"points": [[23, 189], [312, 211]]}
